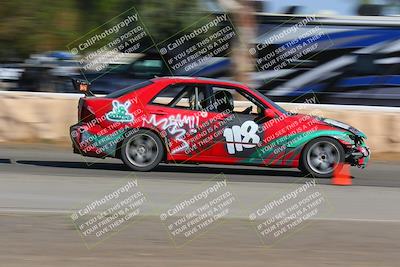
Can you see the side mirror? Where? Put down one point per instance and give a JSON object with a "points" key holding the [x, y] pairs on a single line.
{"points": [[269, 113]]}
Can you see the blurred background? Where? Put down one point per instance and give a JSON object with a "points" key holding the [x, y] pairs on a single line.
{"points": [[344, 54], [360, 65]]}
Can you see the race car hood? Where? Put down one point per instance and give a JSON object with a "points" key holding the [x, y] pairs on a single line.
{"points": [[342, 125]]}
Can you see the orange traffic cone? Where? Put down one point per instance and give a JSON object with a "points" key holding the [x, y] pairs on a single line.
{"points": [[341, 176]]}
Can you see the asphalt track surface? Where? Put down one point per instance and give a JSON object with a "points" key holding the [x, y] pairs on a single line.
{"points": [[41, 187]]}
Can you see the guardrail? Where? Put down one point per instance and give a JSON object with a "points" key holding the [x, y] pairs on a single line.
{"points": [[38, 116]]}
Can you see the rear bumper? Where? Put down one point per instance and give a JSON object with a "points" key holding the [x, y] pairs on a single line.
{"points": [[80, 145], [74, 134], [96, 141]]}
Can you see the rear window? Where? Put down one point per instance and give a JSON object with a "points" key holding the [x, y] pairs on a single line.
{"points": [[128, 89]]}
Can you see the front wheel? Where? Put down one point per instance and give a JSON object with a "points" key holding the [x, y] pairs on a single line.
{"points": [[142, 151], [321, 157]]}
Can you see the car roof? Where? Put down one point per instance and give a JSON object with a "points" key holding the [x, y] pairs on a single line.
{"points": [[188, 79]]}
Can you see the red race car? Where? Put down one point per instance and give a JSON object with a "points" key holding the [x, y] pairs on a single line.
{"points": [[198, 120]]}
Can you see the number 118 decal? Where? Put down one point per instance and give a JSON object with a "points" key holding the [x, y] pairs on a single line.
{"points": [[239, 137]]}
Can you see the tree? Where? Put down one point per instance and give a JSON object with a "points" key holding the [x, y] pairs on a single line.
{"points": [[244, 20], [35, 26]]}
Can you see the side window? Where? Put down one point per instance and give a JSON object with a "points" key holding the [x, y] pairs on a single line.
{"points": [[147, 67], [181, 96], [234, 100]]}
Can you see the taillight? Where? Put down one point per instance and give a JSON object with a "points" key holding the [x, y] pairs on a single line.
{"points": [[84, 112], [80, 104]]}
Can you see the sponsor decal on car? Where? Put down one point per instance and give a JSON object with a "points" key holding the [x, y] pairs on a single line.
{"points": [[239, 137], [120, 112]]}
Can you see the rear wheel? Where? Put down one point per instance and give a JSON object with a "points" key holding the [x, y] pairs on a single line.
{"points": [[142, 151], [321, 156]]}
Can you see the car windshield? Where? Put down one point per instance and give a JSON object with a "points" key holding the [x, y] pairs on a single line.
{"points": [[281, 109]]}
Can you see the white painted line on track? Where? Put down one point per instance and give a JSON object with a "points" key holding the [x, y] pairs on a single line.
{"points": [[11, 211]]}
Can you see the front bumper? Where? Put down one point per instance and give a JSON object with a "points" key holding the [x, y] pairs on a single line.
{"points": [[359, 156]]}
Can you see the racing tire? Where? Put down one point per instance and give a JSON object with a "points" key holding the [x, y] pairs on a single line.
{"points": [[142, 151], [321, 157]]}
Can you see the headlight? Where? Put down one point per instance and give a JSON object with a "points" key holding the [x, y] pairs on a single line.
{"points": [[337, 124]]}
